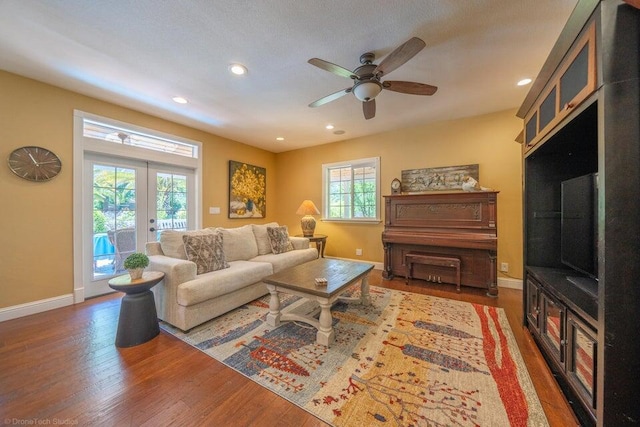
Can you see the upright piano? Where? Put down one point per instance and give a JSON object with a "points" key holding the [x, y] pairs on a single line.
{"points": [[456, 224]]}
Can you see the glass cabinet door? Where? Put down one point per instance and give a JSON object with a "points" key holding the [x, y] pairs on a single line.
{"points": [[533, 304], [582, 360], [553, 333]]}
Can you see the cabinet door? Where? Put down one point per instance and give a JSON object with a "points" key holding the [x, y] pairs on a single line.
{"points": [[531, 129], [582, 354], [553, 328], [533, 304], [572, 83]]}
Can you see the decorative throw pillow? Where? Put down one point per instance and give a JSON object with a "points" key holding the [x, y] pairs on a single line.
{"points": [[172, 244], [206, 251], [279, 239]]}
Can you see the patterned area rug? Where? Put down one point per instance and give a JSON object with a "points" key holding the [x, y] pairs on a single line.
{"points": [[406, 360]]}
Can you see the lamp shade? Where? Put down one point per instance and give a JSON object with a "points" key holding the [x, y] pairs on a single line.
{"points": [[307, 208], [308, 223]]}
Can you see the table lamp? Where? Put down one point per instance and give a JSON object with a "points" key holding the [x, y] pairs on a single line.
{"points": [[308, 222]]}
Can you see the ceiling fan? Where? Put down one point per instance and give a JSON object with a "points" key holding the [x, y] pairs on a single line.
{"points": [[366, 78]]}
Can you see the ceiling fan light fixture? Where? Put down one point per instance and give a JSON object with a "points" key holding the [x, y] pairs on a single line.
{"points": [[366, 91]]}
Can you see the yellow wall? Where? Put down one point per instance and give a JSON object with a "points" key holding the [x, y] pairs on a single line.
{"points": [[487, 140], [36, 254]]}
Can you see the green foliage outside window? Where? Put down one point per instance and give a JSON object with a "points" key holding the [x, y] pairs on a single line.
{"points": [[364, 200], [352, 192]]}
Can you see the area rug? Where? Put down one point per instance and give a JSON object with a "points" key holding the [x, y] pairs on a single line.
{"points": [[406, 360]]}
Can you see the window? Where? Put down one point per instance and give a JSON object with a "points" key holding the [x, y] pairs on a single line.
{"points": [[351, 190], [127, 136], [171, 204]]}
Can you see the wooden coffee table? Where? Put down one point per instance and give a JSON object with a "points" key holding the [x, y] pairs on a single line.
{"points": [[300, 281]]}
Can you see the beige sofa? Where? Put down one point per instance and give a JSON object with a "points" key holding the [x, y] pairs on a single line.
{"points": [[186, 299]]}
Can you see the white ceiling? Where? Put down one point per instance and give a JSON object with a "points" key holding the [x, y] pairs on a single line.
{"points": [[141, 53]]}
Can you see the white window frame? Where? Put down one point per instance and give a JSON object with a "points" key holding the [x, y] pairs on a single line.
{"points": [[370, 161]]}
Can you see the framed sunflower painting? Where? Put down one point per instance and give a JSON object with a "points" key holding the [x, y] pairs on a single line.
{"points": [[247, 190]]}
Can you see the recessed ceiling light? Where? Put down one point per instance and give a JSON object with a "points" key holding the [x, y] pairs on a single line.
{"points": [[238, 69], [280, 138], [329, 127], [524, 82], [179, 100], [338, 132]]}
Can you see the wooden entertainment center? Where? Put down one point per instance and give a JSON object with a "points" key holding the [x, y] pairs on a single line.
{"points": [[582, 122], [442, 237]]}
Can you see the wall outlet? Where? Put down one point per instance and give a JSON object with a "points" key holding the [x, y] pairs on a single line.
{"points": [[359, 252], [504, 267], [214, 210]]}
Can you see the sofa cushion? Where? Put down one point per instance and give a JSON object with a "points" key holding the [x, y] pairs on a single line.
{"points": [[288, 259], [221, 282], [172, 244], [279, 239], [262, 238], [239, 243], [206, 252]]}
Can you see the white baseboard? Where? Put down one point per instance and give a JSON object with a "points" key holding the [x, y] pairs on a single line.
{"points": [[34, 307], [78, 295], [507, 282]]}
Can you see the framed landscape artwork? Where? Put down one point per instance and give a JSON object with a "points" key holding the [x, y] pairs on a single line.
{"points": [[247, 190], [446, 178]]}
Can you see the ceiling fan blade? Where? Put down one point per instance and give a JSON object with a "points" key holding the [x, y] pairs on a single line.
{"points": [[369, 109], [402, 54], [410, 87], [330, 98], [332, 68]]}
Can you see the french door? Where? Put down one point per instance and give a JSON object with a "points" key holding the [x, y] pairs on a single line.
{"points": [[127, 203]]}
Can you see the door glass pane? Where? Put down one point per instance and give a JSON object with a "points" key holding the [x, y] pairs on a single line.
{"points": [[553, 326], [547, 109], [171, 203], [584, 358], [114, 218], [575, 78], [532, 128], [532, 303]]}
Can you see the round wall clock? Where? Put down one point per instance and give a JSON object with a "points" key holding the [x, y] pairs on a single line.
{"points": [[34, 163], [396, 186]]}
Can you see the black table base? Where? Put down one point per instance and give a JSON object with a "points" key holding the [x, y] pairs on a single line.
{"points": [[138, 321]]}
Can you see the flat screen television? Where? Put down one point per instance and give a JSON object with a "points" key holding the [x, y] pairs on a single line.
{"points": [[579, 227]]}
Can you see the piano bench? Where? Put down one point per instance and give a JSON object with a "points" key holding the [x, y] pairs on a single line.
{"points": [[440, 261]]}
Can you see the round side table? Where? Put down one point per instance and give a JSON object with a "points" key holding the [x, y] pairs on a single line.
{"points": [[138, 321], [319, 239]]}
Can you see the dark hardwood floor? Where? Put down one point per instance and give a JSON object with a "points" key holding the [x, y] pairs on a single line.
{"points": [[61, 366]]}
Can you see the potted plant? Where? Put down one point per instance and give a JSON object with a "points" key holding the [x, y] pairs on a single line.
{"points": [[136, 264]]}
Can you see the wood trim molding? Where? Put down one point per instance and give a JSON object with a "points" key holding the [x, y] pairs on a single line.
{"points": [[21, 310]]}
